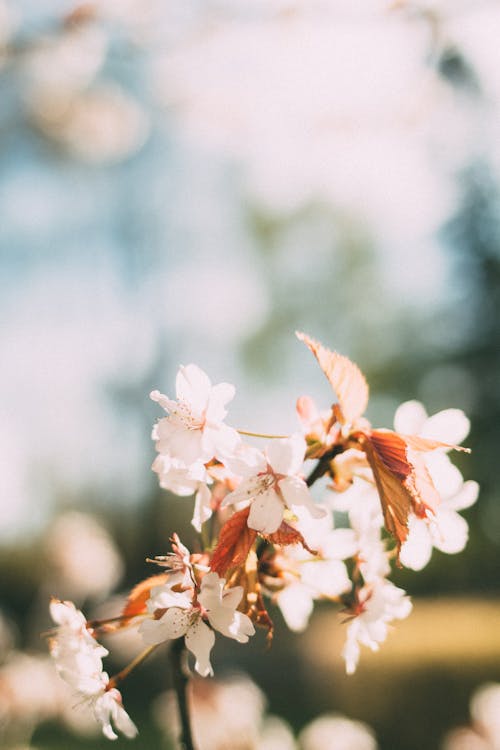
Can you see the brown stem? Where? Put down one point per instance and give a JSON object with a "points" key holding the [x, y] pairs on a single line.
{"points": [[181, 681], [323, 465]]}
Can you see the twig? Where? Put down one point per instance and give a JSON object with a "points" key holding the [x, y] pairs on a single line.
{"points": [[181, 681]]}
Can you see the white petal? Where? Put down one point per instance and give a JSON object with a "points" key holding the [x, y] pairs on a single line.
{"points": [[162, 597], [246, 490], [266, 512], [200, 640], [449, 532], [220, 395], [410, 418], [296, 492], [446, 477], [173, 624], [202, 509], [246, 461], [287, 455], [124, 723], [220, 441], [449, 426], [193, 386], [186, 445], [163, 400], [210, 596], [326, 577], [340, 544], [465, 497], [417, 550], [296, 604]]}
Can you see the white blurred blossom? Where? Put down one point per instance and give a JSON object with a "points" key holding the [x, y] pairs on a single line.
{"points": [[339, 732], [226, 713], [82, 556], [101, 124], [484, 732]]}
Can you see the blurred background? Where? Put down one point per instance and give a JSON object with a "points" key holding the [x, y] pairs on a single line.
{"points": [[191, 181]]}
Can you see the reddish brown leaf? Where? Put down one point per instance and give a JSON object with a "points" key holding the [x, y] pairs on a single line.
{"points": [[286, 534], [424, 445], [344, 376], [395, 498], [235, 541], [402, 479], [136, 601]]}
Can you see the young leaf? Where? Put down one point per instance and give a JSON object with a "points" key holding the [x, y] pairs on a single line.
{"points": [[286, 534], [136, 600], [402, 479], [395, 498], [235, 541], [344, 376]]}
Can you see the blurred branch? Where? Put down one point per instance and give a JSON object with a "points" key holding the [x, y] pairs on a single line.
{"points": [[181, 681]]}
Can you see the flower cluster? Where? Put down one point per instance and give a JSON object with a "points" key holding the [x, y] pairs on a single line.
{"points": [[389, 495], [78, 658]]}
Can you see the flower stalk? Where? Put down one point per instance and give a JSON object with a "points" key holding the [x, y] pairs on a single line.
{"points": [[180, 678]]}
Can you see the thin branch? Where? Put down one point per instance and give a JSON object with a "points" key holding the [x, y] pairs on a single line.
{"points": [[181, 680], [262, 435], [323, 465], [133, 664]]}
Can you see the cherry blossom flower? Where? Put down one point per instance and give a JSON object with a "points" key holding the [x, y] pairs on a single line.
{"points": [[77, 654], [311, 577], [183, 615], [445, 529], [108, 710], [377, 604], [78, 658], [194, 429], [272, 482]]}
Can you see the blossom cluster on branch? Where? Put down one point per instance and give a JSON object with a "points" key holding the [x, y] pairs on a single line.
{"points": [[264, 539]]}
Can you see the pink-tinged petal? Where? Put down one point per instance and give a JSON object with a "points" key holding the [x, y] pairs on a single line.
{"points": [[296, 604], [286, 456], [199, 640], [449, 532], [296, 492], [164, 401], [173, 624], [448, 426], [266, 512], [307, 411], [220, 395], [417, 550], [410, 418], [202, 509], [465, 497], [193, 386]]}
